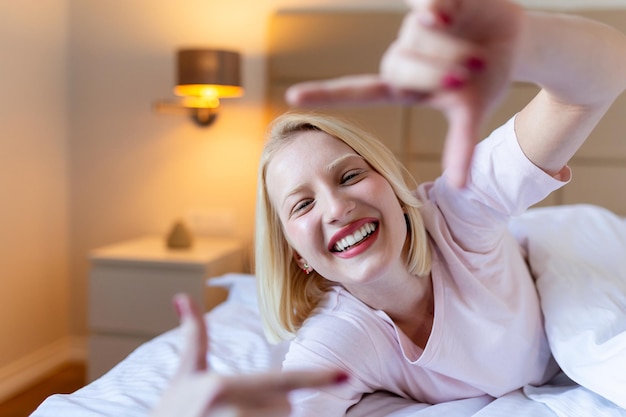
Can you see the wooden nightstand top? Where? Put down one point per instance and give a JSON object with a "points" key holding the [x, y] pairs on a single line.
{"points": [[153, 249]]}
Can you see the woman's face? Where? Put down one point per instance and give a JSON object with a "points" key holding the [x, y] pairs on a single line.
{"points": [[338, 214]]}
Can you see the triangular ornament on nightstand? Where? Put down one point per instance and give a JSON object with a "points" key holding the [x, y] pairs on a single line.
{"points": [[179, 237]]}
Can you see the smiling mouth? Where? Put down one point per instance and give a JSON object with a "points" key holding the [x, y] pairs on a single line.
{"points": [[355, 238]]}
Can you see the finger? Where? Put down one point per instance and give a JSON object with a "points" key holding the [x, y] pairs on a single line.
{"points": [[280, 383], [434, 42], [291, 380], [462, 136], [435, 13], [357, 89], [426, 60], [406, 70], [195, 338]]}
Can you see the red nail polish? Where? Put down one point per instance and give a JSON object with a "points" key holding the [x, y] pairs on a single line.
{"points": [[341, 378], [444, 18], [452, 81], [475, 64]]}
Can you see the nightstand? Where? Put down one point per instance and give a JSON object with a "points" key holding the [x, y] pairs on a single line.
{"points": [[131, 286]]}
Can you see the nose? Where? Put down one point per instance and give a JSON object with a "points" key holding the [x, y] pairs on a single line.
{"points": [[338, 207]]}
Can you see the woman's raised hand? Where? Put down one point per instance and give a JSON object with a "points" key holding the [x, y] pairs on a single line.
{"points": [[196, 392], [453, 55]]}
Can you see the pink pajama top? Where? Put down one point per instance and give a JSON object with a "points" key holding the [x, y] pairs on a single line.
{"points": [[487, 335]]}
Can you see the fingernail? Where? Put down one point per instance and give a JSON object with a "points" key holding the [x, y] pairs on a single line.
{"points": [[341, 378], [452, 81], [475, 64], [444, 18], [434, 18]]}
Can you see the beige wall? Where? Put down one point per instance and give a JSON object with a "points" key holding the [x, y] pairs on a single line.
{"points": [[33, 181], [134, 171], [85, 162]]}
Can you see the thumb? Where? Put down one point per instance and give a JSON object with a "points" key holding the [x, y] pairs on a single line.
{"points": [[464, 127], [195, 337]]}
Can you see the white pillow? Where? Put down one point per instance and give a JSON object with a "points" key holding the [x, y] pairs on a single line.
{"points": [[578, 256], [237, 341], [241, 288]]}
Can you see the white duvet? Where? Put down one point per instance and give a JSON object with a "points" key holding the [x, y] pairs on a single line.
{"points": [[578, 256]]}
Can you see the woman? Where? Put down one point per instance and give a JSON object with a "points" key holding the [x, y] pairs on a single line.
{"points": [[421, 293], [424, 293]]}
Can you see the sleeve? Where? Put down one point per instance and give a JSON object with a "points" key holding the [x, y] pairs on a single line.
{"points": [[329, 341], [331, 401], [503, 182]]}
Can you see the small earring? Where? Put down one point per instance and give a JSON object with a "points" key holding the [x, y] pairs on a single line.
{"points": [[306, 269]]}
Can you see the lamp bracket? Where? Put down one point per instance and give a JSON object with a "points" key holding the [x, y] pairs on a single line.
{"points": [[203, 117]]}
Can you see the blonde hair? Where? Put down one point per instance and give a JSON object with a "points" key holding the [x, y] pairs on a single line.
{"points": [[287, 295]]}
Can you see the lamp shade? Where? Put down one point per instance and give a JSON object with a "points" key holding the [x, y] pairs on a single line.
{"points": [[208, 73]]}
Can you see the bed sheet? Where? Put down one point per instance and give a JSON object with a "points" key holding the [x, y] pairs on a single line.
{"points": [[577, 256]]}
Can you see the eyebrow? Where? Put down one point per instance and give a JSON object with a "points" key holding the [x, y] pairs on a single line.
{"points": [[339, 160], [293, 192]]}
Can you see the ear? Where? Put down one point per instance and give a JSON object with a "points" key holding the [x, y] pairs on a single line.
{"points": [[302, 263], [299, 260]]}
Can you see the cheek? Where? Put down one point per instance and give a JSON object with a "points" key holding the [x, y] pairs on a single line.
{"points": [[394, 208], [383, 192], [299, 235]]}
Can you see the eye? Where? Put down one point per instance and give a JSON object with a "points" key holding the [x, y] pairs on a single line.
{"points": [[352, 176], [301, 206]]}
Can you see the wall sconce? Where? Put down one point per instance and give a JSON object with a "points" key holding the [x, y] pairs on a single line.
{"points": [[204, 76]]}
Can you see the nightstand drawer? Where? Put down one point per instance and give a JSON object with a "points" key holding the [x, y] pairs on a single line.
{"points": [[106, 351], [132, 299], [131, 286]]}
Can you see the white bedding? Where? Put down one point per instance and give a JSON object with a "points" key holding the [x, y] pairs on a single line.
{"points": [[578, 255]]}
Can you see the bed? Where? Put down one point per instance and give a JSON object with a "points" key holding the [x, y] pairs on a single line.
{"points": [[576, 253], [575, 244]]}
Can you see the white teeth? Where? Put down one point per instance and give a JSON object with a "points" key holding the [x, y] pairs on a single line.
{"points": [[356, 237]]}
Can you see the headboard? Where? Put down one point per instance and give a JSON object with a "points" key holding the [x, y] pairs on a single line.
{"points": [[314, 44]]}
